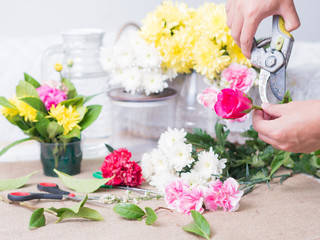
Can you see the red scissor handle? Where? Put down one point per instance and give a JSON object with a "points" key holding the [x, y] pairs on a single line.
{"points": [[52, 188]]}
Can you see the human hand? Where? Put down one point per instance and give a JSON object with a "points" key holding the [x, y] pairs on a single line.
{"points": [[244, 17], [293, 127]]}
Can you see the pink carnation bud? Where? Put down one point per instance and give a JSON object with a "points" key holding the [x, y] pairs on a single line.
{"points": [[51, 96]]}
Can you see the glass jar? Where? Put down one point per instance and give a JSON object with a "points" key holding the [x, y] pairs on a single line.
{"points": [[82, 46], [63, 157]]}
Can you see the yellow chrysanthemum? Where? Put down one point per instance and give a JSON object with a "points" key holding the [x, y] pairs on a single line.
{"points": [[210, 59], [68, 118], [9, 112], [23, 109]]}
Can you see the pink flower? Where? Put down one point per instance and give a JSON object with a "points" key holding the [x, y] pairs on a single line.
{"points": [[208, 97], [239, 76], [180, 196], [230, 195], [226, 195], [231, 103], [242, 119], [51, 96], [125, 172]]}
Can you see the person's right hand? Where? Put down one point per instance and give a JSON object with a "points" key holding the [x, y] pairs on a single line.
{"points": [[244, 17]]}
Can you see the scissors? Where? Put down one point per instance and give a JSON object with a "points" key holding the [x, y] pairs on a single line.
{"points": [[54, 192], [273, 60]]}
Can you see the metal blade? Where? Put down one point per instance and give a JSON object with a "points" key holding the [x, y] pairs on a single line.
{"points": [[263, 80], [278, 83]]}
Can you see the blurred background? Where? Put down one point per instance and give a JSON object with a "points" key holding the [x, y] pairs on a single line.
{"points": [[27, 28]]}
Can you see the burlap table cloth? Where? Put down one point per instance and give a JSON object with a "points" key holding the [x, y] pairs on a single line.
{"points": [[287, 211]]}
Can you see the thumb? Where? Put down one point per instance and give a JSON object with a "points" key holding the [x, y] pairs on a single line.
{"points": [[290, 17], [274, 110]]}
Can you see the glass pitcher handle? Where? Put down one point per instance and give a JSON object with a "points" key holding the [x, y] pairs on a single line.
{"points": [[45, 61]]}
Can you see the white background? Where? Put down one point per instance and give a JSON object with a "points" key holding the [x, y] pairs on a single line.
{"points": [[28, 27]]}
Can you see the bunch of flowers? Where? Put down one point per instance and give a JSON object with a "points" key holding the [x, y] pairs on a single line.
{"points": [[136, 65], [125, 172], [193, 39], [51, 112], [184, 197], [174, 159]]}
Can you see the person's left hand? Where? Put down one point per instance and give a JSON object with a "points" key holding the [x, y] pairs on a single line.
{"points": [[293, 127]]}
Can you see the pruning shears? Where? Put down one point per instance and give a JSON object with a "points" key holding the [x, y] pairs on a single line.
{"points": [[54, 192], [273, 59]]}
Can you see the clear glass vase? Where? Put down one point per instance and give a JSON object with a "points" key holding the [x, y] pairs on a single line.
{"points": [[63, 157], [82, 46], [189, 113]]}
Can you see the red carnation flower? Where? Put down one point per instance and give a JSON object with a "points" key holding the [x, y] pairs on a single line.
{"points": [[125, 172]]}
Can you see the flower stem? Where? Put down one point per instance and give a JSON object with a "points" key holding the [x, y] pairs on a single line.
{"points": [[256, 107]]}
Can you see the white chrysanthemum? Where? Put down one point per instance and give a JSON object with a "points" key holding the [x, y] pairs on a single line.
{"points": [[153, 82], [148, 57], [132, 80], [209, 164], [193, 178], [180, 156], [159, 160], [125, 56], [106, 59], [147, 166], [171, 137], [161, 179]]}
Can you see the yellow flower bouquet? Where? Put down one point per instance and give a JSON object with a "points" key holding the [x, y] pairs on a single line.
{"points": [[193, 39]]}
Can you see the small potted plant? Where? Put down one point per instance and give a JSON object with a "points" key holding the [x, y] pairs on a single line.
{"points": [[53, 114]]}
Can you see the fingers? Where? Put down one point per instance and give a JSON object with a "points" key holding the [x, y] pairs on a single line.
{"points": [[236, 29], [290, 17], [262, 126], [228, 6], [274, 110], [248, 31]]}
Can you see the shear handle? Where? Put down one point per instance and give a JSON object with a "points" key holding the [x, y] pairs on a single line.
{"points": [[26, 196]]}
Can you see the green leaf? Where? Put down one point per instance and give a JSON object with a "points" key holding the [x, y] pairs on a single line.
{"points": [[42, 125], [19, 122], [76, 101], [82, 111], [110, 149], [5, 103], [72, 92], [35, 103], [54, 129], [278, 162], [15, 183], [25, 89], [129, 210], [37, 219], [81, 185], [83, 212], [59, 211], [200, 226], [91, 115], [75, 132], [286, 98], [31, 80], [5, 149], [151, 216], [76, 208]]}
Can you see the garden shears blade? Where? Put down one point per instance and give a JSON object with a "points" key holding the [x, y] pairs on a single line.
{"points": [[271, 55]]}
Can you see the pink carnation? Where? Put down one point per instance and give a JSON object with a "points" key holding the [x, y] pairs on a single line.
{"points": [[239, 76], [51, 96], [180, 196], [125, 172], [226, 195], [208, 97]]}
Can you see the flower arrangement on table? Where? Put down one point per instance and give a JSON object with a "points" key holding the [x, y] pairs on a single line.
{"points": [[176, 39], [52, 112]]}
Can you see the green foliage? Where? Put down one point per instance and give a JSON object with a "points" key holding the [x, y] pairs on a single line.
{"points": [[199, 226], [72, 92], [15, 183], [35, 103], [5, 149], [31, 80], [77, 211], [37, 219], [25, 89], [129, 211], [81, 185], [91, 115], [151, 216]]}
